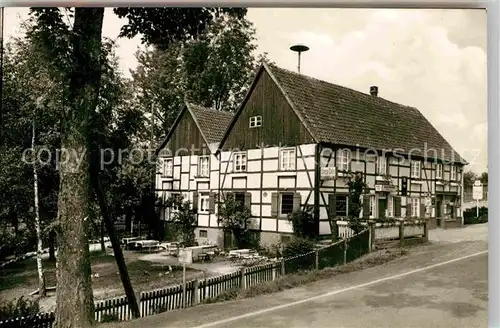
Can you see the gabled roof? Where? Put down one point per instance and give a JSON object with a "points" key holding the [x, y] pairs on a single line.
{"points": [[212, 123], [338, 115]]}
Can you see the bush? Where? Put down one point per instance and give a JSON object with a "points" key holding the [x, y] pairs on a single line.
{"points": [[18, 308], [297, 246], [470, 215], [303, 223]]}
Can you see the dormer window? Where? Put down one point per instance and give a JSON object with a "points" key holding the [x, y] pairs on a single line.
{"points": [[255, 121]]}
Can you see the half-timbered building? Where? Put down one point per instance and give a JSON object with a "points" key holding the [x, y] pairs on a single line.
{"points": [[295, 139], [188, 166]]}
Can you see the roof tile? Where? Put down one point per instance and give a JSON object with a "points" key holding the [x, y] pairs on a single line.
{"points": [[340, 115]]}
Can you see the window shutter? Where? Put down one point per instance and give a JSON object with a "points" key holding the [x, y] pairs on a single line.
{"points": [[195, 201], [408, 208], [332, 206], [297, 198], [211, 203], [248, 200], [422, 210], [366, 206], [397, 207], [274, 204]]}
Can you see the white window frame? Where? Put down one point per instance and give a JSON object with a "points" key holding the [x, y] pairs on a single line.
{"points": [[204, 203], [205, 232], [416, 169], [281, 203], [343, 159], [415, 207], [346, 197], [439, 171], [390, 206], [453, 173], [381, 165], [168, 167], [287, 159], [204, 168], [171, 210], [240, 162], [255, 121]]}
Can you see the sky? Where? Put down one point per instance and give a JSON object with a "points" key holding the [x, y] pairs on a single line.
{"points": [[434, 60]]}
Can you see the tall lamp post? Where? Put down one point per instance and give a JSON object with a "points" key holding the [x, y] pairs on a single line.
{"points": [[299, 48]]}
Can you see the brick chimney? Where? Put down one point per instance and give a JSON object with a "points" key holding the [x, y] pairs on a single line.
{"points": [[374, 90]]}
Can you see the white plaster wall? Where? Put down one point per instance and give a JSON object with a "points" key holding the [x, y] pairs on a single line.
{"points": [[269, 180], [239, 183], [268, 224], [324, 228], [270, 164], [308, 150], [285, 226], [303, 180], [271, 152], [203, 220], [253, 166], [253, 180], [253, 154]]}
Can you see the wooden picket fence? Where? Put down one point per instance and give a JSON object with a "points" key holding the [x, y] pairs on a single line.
{"points": [[200, 291]]}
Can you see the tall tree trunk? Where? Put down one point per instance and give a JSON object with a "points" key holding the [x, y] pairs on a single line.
{"points": [[75, 305], [39, 245], [103, 245], [120, 260]]}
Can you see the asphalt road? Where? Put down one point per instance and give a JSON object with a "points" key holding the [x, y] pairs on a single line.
{"points": [[438, 285]]}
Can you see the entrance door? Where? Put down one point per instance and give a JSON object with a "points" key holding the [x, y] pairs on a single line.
{"points": [[438, 208], [382, 206]]}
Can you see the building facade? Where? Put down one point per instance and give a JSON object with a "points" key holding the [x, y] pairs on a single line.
{"points": [[295, 141], [188, 165]]}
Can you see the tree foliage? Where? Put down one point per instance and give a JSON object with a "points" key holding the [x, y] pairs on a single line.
{"points": [[303, 223], [184, 217], [214, 70], [162, 26], [234, 217]]}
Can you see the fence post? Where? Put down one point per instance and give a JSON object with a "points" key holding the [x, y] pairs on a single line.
{"points": [[371, 238], [426, 230], [317, 260], [401, 233], [345, 250], [243, 281], [275, 266], [195, 296], [282, 266]]}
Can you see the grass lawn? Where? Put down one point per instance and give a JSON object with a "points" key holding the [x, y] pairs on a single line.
{"points": [[21, 278]]}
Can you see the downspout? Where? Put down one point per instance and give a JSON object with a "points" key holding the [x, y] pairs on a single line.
{"points": [[317, 182], [462, 195]]}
